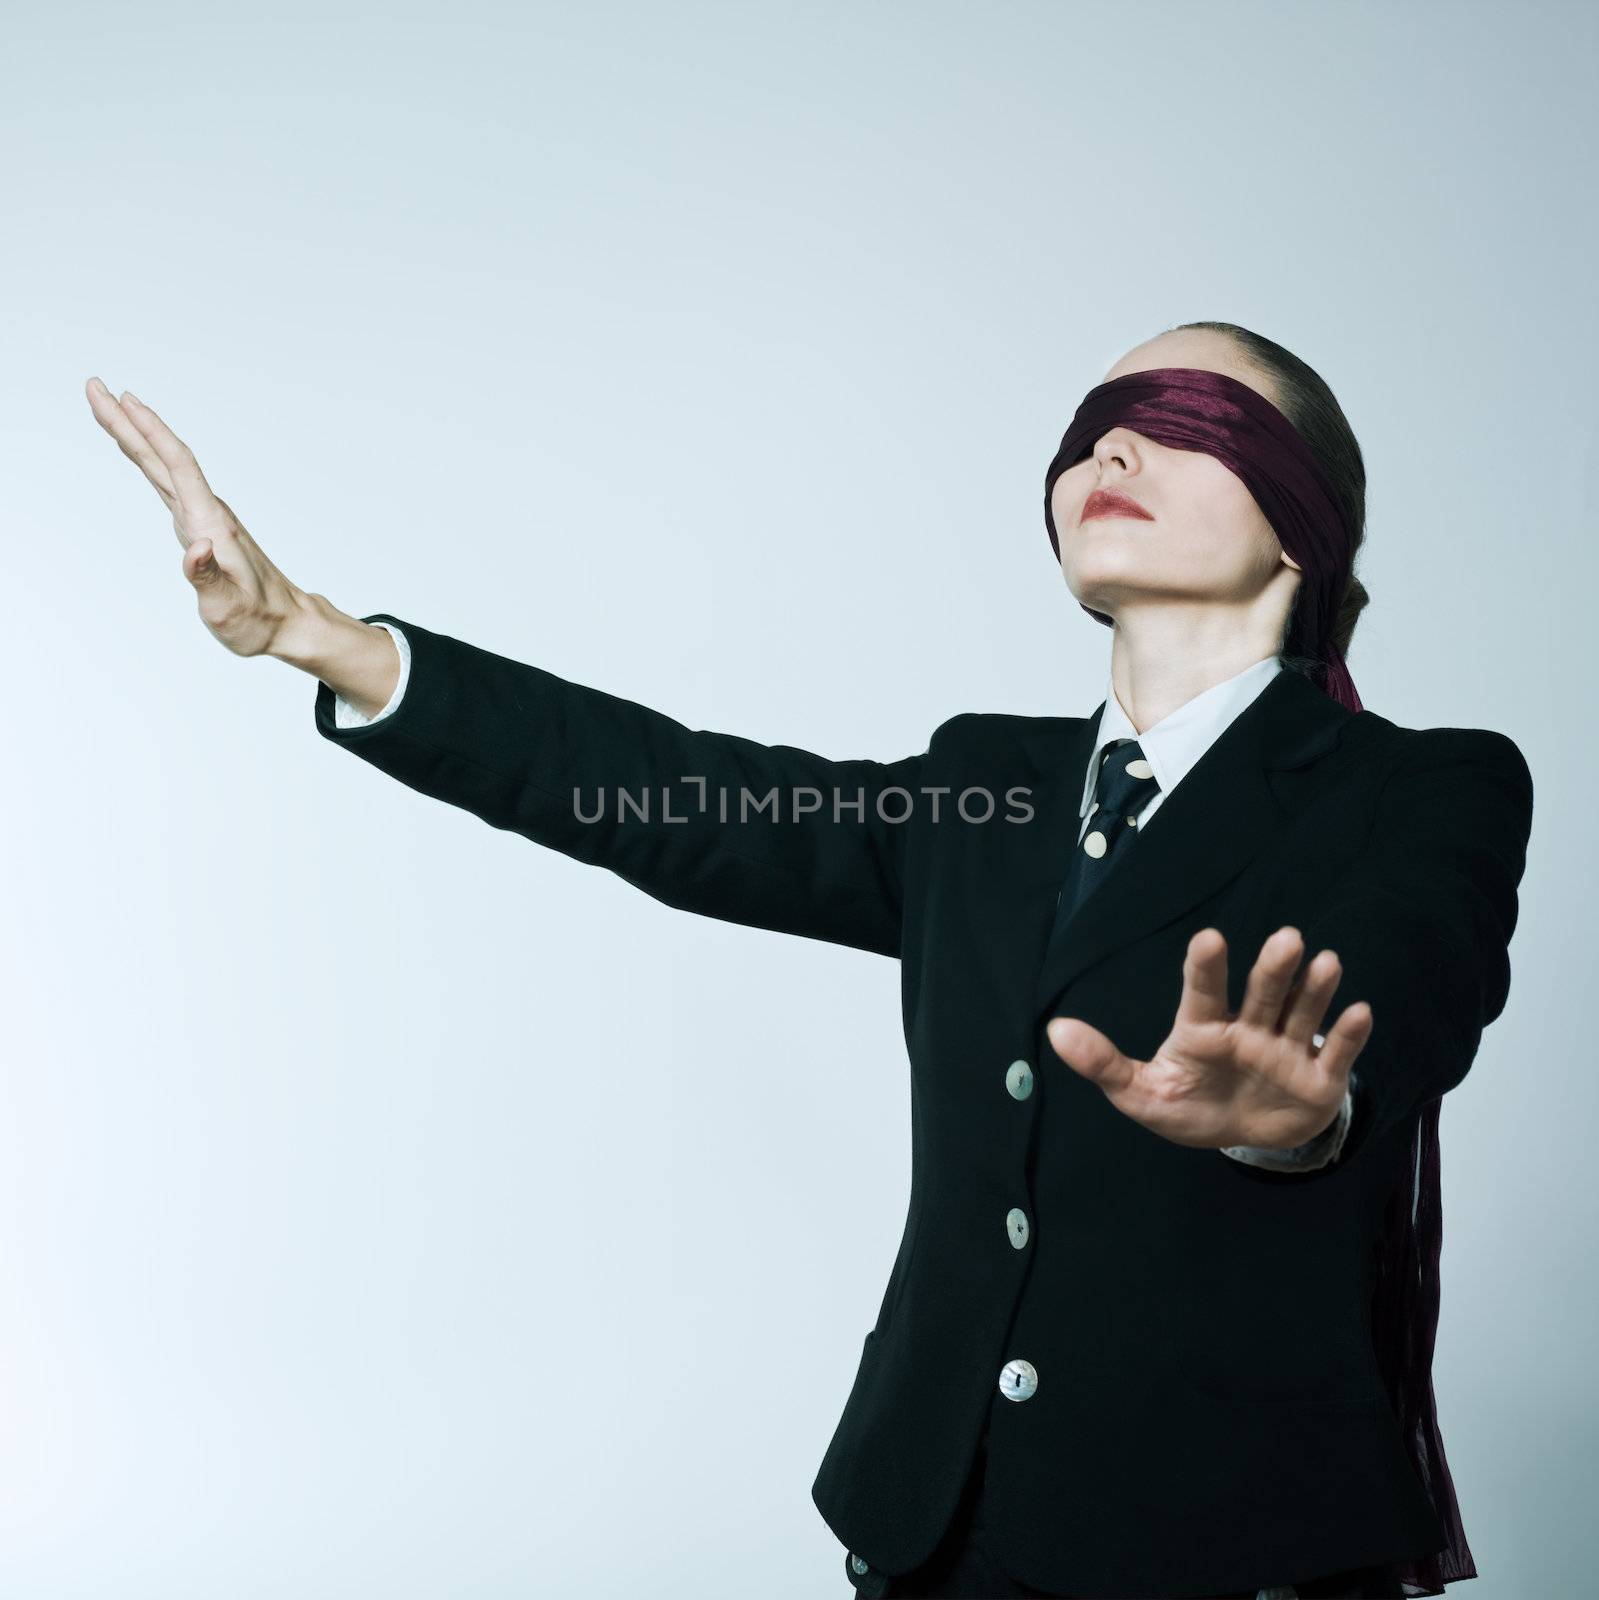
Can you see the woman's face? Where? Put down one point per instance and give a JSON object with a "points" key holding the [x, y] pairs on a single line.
{"points": [[1207, 540]]}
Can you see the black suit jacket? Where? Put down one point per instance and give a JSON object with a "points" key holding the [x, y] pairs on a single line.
{"points": [[1209, 1414]]}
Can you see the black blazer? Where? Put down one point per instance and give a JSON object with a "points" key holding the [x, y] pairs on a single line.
{"points": [[1209, 1414]]}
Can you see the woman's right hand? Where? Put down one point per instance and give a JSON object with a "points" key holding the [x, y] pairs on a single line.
{"points": [[244, 600]]}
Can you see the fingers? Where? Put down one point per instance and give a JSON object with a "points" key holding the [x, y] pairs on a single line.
{"points": [[188, 482], [1272, 984], [1320, 1076], [1204, 997], [1314, 990], [132, 443], [1089, 1052], [1345, 1040], [1270, 979]]}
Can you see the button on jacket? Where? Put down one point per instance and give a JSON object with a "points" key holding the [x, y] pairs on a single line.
{"points": [[1169, 1348]]}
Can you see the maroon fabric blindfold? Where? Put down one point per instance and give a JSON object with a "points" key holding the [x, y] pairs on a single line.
{"points": [[1189, 408]]}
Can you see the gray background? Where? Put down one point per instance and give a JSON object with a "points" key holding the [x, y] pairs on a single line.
{"points": [[391, 1208]]}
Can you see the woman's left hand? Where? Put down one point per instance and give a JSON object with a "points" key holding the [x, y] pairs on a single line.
{"points": [[1254, 1078]]}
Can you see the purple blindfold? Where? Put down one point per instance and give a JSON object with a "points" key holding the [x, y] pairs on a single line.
{"points": [[1189, 408]]}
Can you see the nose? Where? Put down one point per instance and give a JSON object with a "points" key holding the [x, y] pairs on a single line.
{"points": [[1117, 447]]}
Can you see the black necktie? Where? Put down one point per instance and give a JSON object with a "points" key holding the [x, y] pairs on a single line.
{"points": [[1124, 786]]}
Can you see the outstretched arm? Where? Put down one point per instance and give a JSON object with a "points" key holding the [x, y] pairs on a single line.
{"points": [[772, 836], [769, 835]]}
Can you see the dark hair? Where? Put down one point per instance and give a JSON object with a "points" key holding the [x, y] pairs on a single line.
{"points": [[1302, 395]]}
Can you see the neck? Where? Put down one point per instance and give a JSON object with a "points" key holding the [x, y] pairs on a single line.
{"points": [[1162, 655]]}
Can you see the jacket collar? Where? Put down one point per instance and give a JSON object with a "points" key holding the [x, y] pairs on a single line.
{"points": [[1175, 743], [1202, 834]]}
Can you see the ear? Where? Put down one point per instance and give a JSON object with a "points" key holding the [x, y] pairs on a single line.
{"points": [[1288, 560]]}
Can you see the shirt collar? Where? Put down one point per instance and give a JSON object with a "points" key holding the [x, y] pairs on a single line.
{"points": [[1174, 744]]}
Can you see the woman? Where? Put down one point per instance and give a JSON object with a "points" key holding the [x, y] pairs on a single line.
{"points": [[1162, 1317]]}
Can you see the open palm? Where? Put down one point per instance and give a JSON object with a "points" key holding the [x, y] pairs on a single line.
{"points": [[1262, 1076], [245, 602]]}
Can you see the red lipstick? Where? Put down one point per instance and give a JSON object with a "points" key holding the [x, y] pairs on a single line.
{"points": [[1113, 503]]}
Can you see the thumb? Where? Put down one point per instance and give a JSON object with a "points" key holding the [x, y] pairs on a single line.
{"points": [[200, 564], [1089, 1053]]}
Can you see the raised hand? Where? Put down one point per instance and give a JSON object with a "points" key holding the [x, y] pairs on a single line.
{"points": [[1220, 1079], [244, 600]]}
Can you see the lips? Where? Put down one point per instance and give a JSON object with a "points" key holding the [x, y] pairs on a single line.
{"points": [[1112, 503]]}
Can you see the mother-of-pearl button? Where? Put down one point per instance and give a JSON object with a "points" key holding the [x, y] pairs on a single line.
{"points": [[1018, 1380], [1019, 1079], [1140, 769], [1094, 844]]}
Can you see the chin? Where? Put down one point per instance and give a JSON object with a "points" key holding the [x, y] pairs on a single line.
{"points": [[1102, 584]]}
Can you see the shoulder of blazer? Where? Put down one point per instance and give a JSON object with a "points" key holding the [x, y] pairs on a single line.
{"points": [[1415, 751], [996, 731]]}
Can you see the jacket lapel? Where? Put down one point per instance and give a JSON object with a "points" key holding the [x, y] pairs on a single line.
{"points": [[1204, 832]]}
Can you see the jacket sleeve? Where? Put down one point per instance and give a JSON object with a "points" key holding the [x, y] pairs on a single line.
{"points": [[1422, 926], [771, 836]]}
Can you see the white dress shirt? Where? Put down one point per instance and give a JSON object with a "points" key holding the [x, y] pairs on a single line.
{"points": [[1172, 747]]}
